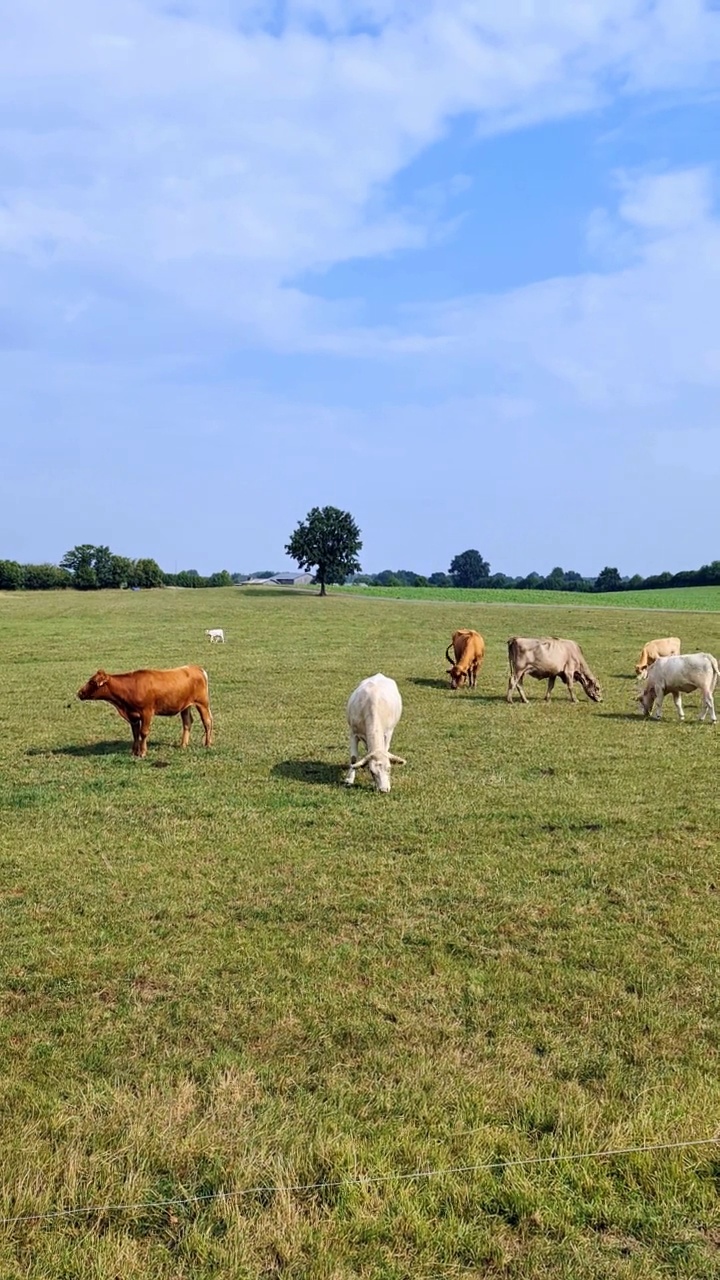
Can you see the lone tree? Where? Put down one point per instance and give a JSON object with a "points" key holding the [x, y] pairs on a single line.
{"points": [[327, 540], [469, 570]]}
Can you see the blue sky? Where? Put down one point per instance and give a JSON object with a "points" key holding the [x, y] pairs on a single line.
{"points": [[451, 265]]}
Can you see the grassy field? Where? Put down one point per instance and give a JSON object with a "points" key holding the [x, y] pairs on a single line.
{"points": [[704, 599], [224, 972]]}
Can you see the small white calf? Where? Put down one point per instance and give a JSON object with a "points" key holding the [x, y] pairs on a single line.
{"points": [[681, 674], [216, 633], [373, 711]]}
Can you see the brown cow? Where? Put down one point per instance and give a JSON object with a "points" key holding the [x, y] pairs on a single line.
{"points": [[140, 695], [668, 647], [546, 659], [469, 649]]}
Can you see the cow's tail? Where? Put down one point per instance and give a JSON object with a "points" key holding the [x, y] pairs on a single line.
{"points": [[512, 652], [716, 672]]}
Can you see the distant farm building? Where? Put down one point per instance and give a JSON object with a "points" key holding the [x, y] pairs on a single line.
{"points": [[281, 580]]}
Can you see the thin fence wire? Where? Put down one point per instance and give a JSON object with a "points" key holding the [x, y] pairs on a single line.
{"points": [[367, 1180]]}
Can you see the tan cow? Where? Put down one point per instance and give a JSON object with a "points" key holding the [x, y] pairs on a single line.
{"points": [[139, 695], [546, 659], [666, 648], [469, 650]]}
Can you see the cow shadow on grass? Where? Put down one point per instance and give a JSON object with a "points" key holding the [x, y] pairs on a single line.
{"points": [[112, 747], [317, 772]]}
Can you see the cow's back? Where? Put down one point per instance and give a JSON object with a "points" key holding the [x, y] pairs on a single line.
{"points": [[665, 647], [376, 696], [465, 641], [675, 670], [527, 649], [169, 689]]}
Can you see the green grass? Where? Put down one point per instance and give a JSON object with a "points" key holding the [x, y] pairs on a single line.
{"points": [[231, 972], [703, 599]]}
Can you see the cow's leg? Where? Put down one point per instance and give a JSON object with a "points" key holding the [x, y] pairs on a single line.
{"points": [[134, 722], [550, 687], [708, 704], [678, 706], [146, 720], [515, 682], [353, 757], [187, 719], [521, 687], [206, 717], [658, 704]]}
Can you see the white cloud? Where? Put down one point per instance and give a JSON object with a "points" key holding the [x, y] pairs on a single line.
{"points": [[144, 137], [668, 202], [632, 336]]}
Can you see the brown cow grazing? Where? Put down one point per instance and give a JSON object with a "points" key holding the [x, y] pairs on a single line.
{"points": [[668, 647], [469, 650], [546, 659], [140, 695]]}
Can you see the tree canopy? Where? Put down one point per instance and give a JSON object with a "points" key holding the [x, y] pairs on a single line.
{"points": [[609, 580], [469, 570], [328, 541]]}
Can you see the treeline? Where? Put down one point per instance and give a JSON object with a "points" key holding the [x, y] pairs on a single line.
{"points": [[89, 568], [470, 570]]}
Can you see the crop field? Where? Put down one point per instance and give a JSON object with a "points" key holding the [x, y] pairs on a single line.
{"points": [[692, 599], [256, 1024]]}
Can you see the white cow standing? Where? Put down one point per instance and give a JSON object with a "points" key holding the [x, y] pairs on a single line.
{"points": [[681, 674], [373, 711], [216, 634]]}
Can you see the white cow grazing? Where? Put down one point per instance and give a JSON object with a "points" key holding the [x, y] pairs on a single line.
{"points": [[373, 711], [216, 633], [681, 674]]}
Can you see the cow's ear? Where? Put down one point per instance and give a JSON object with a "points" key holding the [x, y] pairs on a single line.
{"points": [[101, 678]]}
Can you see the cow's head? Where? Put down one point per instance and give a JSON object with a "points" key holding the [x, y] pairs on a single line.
{"points": [[645, 698], [378, 762], [590, 686], [457, 677], [641, 671], [95, 687]]}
